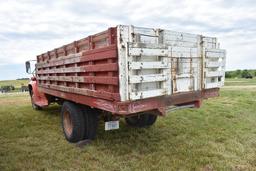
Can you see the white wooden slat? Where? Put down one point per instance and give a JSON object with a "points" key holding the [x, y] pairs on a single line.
{"points": [[215, 50], [147, 45], [181, 38], [147, 52], [184, 52], [214, 73], [184, 49], [215, 54], [144, 31], [180, 43], [147, 78], [169, 33], [213, 85], [148, 65], [210, 39], [147, 94], [214, 64], [183, 76]]}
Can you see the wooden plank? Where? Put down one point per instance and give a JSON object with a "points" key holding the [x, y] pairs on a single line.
{"points": [[80, 43], [181, 43], [70, 59], [184, 52], [147, 78], [83, 91], [214, 73], [99, 54], [148, 65], [214, 64], [213, 85], [183, 76], [107, 54], [83, 79], [87, 68], [147, 94], [215, 53], [147, 52], [98, 50], [175, 34]]}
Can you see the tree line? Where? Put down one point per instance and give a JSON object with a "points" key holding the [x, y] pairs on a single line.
{"points": [[241, 73]]}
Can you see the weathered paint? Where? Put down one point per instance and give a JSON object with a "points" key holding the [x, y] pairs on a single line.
{"points": [[163, 62], [127, 69], [38, 97]]}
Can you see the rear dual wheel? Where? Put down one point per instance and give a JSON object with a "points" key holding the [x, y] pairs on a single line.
{"points": [[78, 122], [141, 120]]}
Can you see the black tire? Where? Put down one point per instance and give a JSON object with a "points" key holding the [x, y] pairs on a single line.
{"points": [[141, 120], [73, 122], [91, 122], [34, 106], [151, 119]]}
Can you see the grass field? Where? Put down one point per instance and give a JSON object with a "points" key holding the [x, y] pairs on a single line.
{"points": [[219, 136], [16, 83]]}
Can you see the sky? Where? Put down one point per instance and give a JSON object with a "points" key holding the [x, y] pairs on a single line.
{"points": [[31, 27]]}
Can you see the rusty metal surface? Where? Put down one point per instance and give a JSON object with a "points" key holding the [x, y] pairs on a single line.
{"points": [[159, 104], [38, 97]]}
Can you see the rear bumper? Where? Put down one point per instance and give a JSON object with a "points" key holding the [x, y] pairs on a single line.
{"points": [[160, 104]]}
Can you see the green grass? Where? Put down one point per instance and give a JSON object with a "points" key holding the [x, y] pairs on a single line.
{"points": [[240, 82], [219, 136]]}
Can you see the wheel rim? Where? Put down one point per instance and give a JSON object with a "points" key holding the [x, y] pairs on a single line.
{"points": [[67, 123]]}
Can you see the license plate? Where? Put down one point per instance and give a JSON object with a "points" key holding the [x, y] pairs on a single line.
{"points": [[111, 125]]}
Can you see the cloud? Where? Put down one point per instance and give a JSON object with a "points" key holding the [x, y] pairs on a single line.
{"points": [[31, 27]]}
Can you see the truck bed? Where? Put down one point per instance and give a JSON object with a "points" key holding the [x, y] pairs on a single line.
{"points": [[128, 69]]}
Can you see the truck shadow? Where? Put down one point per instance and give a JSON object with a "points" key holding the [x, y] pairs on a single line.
{"points": [[130, 140], [127, 139]]}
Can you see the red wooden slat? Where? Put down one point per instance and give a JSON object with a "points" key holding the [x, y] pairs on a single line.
{"points": [[87, 68], [99, 54], [102, 49], [83, 79], [105, 53]]}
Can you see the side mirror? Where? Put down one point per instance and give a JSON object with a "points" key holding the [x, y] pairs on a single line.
{"points": [[28, 68]]}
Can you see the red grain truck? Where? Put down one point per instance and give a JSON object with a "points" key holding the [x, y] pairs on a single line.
{"points": [[126, 71]]}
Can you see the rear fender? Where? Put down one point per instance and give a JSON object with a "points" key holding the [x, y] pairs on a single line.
{"points": [[38, 98]]}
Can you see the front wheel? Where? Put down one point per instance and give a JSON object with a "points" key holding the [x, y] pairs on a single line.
{"points": [[141, 120]]}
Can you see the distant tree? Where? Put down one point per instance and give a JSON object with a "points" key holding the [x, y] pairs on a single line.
{"points": [[246, 74], [22, 79], [228, 74], [255, 73], [237, 73]]}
